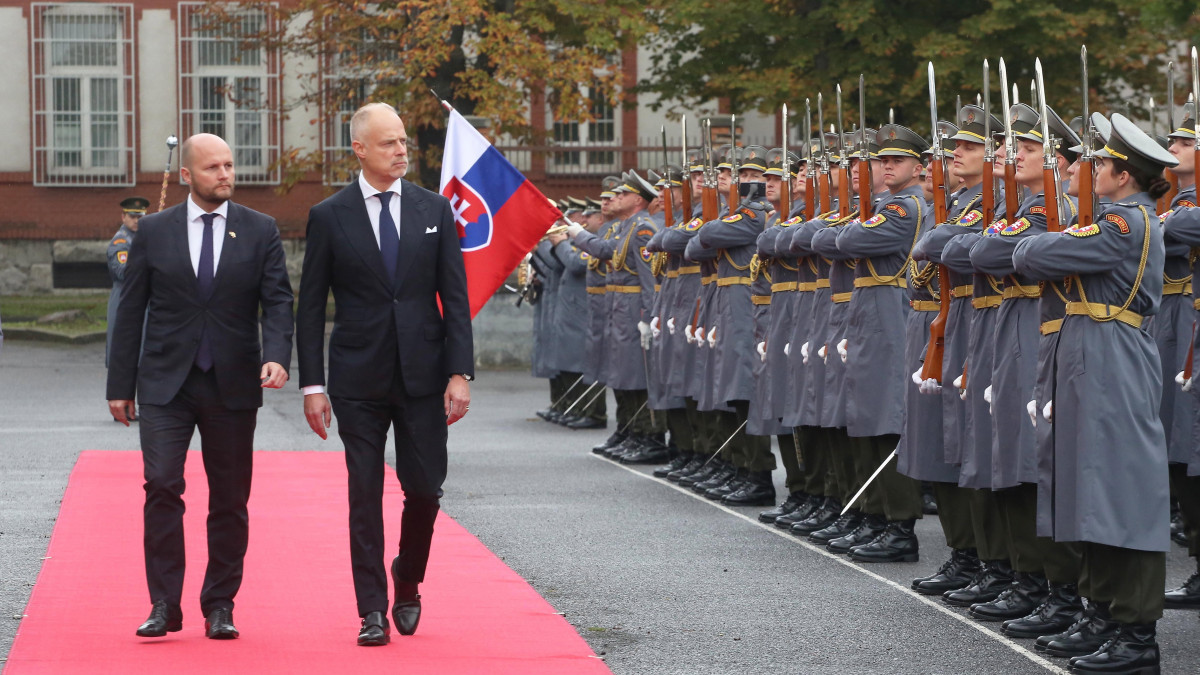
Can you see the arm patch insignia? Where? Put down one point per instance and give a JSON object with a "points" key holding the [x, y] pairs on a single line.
{"points": [[875, 220], [693, 224], [1119, 222], [996, 226], [122, 240], [645, 233], [122, 256], [583, 255], [792, 221], [970, 218], [1186, 203], [646, 255], [1039, 210], [898, 209], [1076, 231], [1016, 228], [746, 211], [732, 219]]}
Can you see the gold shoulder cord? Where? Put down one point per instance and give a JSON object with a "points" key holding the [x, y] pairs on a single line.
{"points": [[740, 268], [908, 261], [755, 265], [965, 211], [1183, 281], [1137, 282]]}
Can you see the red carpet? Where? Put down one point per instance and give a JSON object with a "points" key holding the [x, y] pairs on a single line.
{"points": [[296, 608]]}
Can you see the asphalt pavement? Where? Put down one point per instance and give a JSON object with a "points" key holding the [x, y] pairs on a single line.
{"points": [[657, 580]]}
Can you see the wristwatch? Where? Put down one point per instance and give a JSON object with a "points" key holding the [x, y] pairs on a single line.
{"points": [[465, 376]]}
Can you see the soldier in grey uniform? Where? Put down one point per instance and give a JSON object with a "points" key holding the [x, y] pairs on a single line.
{"points": [[874, 349], [547, 271], [597, 281], [132, 210], [630, 286], [571, 321], [1109, 475]]}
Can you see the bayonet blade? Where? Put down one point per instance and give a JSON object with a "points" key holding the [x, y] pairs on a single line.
{"points": [[1047, 143], [1170, 97], [1196, 88], [838, 122], [808, 131], [1007, 105], [784, 163], [989, 152], [862, 114], [1087, 117], [821, 126], [933, 115], [1153, 117]]}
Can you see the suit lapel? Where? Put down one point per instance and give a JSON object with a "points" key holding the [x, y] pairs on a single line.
{"points": [[352, 216], [179, 239], [229, 248], [412, 228]]}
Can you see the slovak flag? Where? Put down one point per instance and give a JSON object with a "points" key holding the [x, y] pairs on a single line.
{"points": [[499, 214]]}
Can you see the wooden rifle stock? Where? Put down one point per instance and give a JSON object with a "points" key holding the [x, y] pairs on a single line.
{"points": [[865, 206], [989, 193], [824, 188], [844, 194], [810, 192], [932, 368], [1087, 191], [1187, 368], [687, 199], [1049, 189], [1011, 201], [710, 204], [1168, 198]]}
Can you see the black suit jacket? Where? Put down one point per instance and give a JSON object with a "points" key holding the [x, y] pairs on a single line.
{"points": [[379, 326], [161, 286]]}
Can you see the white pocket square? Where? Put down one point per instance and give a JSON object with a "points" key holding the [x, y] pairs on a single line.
{"points": [[431, 230]]}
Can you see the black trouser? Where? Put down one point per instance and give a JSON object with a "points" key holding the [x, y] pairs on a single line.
{"points": [[1131, 581], [793, 474], [813, 453], [954, 511], [988, 525], [594, 405], [681, 429], [1029, 553], [420, 434], [227, 450], [1186, 489], [568, 394]]}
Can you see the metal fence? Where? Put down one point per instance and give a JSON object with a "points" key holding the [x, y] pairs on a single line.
{"points": [[584, 160]]}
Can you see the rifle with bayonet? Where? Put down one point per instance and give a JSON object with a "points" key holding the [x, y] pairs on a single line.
{"points": [[932, 368], [1187, 368], [989, 150], [810, 169], [1087, 192], [1010, 146], [865, 201], [668, 197], [823, 185], [1169, 174], [843, 164], [1050, 178], [785, 164], [686, 179]]}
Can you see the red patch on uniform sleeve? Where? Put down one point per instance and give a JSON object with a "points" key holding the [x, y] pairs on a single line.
{"points": [[897, 208], [1119, 222], [1040, 210], [1186, 203], [645, 233], [745, 211]]}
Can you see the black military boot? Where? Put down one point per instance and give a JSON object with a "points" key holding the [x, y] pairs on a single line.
{"points": [[545, 414], [631, 442], [840, 527], [730, 486], [794, 501], [897, 543], [678, 461], [1186, 596], [820, 518], [615, 439], [757, 490], [994, 576], [1084, 637], [701, 474], [1019, 599], [955, 573], [1134, 650], [804, 510], [651, 450], [694, 463], [1059, 611], [717, 478], [868, 528]]}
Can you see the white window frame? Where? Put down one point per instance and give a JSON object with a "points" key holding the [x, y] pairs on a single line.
{"points": [[255, 163], [583, 135], [49, 171]]}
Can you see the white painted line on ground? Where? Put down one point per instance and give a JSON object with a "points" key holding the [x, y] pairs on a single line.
{"points": [[843, 560]]}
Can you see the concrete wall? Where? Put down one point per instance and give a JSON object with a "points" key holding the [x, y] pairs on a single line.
{"points": [[158, 90], [15, 151]]}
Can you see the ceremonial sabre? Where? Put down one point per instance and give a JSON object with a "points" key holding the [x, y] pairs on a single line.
{"points": [[864, 487], [172, 142], [585, 393]]}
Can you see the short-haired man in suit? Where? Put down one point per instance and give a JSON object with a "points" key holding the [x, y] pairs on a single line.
{"points": [[200, 273], [389, 250]]}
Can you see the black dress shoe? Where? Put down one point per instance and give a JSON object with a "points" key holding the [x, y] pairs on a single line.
{"points": [[793, 502], [650, 451], [1186, 596], [544, 414], [897, 543], [1061, 609], [407, 614], [614, 439], [163, 619], [1133, 650], [994, 576], [820, 518], [703, 473], [587, 423], [566, 420], [868, 528], [1020, 599], [806, 508], [1084, 637], [375, 631], [218, 625], [955, 573], [719, 492], [693, 465], [757, 490], [675, 464], [844, 525], [631, 442], [724, 472]]}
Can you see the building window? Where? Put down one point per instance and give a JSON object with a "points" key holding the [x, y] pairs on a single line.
{"points": [[600, 131], [83, 84], [350, 74], [229, 86]]}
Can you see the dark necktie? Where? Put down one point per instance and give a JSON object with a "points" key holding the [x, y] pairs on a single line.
{"points": [[389, 241], [204, 278]]}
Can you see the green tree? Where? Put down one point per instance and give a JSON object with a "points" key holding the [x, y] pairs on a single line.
{"points": [[490, 58]]}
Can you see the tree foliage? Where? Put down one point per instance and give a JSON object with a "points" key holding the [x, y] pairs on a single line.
{"points": [[765, 53]]}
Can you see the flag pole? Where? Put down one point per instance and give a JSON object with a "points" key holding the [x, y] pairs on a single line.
{"points": [[445, 105]]}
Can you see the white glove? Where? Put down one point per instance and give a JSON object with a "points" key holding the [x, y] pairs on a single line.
{"points": [[654, 330], [787, 349], [762, 351], [700, 336], [687, 333], [671, 325], [573, 230], [1185, 384], [958, 384], [644, 330], [987, 396], [804, 352], [821, 353], [712, 337], [926, 386], [841, 347], [1031, 408], [1048, 411], [916, 377]]}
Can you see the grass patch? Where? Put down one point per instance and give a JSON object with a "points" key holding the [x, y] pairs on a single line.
{"points": [[17, 309], [68, 328]]}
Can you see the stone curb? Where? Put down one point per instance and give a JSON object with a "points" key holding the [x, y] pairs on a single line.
{"points": [[40, 335]]}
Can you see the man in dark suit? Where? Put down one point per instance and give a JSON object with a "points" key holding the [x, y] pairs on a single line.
{"points": [[390, 252], [199, 273]]}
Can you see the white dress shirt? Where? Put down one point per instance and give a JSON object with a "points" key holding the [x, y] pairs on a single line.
{"points": [[196, 233], [374, 208]]}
